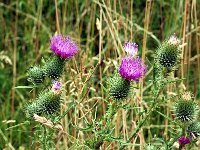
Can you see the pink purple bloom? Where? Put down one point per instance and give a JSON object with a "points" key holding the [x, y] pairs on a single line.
{"points": [[64, 47], [183, 140], [132, 68], [173, 39], [131, 48], [56, 86]]}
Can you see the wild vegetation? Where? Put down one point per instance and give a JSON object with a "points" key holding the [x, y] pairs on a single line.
{"points": [[100, 74]]}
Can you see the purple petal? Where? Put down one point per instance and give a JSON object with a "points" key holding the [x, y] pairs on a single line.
{"points": [[132, 68], [131, 48], [64, 47]]}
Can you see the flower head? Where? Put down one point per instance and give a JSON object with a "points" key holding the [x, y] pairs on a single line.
{"points": [[64, 47], [131, 48], [56, 85], [132, 68], [173, 40], [183, 140]]}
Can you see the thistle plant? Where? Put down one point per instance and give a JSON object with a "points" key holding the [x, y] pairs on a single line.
{"points": [[48, 102], [131, 69], [119, 88]]}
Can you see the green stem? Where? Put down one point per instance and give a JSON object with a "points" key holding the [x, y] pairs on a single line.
{"points": [[153, 106], [45, 139]]}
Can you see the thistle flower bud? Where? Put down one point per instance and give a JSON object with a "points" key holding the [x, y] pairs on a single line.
{"points": [[46, 103], [194, 129], [54, 67], [36, 74], [183, 140], [168, 53], [56, 88], [131, 48], [186, 110], [119, 88]]}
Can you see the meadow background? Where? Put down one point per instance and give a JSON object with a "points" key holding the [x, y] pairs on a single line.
{"points": [[100, 28]]}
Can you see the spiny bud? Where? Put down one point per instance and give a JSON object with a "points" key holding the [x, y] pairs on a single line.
{"points": [[185, 108], [194, 129], [48, 102], [168, 52], [119, 88], [54, 68], [35, 74]]}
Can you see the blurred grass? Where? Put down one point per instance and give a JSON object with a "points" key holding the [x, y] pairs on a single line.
{"points": [[26, 27]]}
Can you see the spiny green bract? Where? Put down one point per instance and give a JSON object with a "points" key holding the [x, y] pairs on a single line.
{"points": [[36, 74], [118, 87], [186, 110], [194, 129], [46, 103], [168, 55], [54, 68]]}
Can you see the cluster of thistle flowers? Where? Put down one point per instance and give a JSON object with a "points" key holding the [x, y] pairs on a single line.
{"points": [[48, 101], [186, 111], [132, 68]]}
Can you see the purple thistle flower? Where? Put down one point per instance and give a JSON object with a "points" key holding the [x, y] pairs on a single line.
{"points": [[174, 40], [183, 140], [132, 68], [131, 48], [56, 86], [64, 47]]}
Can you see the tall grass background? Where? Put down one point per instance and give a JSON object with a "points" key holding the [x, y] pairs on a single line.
{"points": [[100, 28]]}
